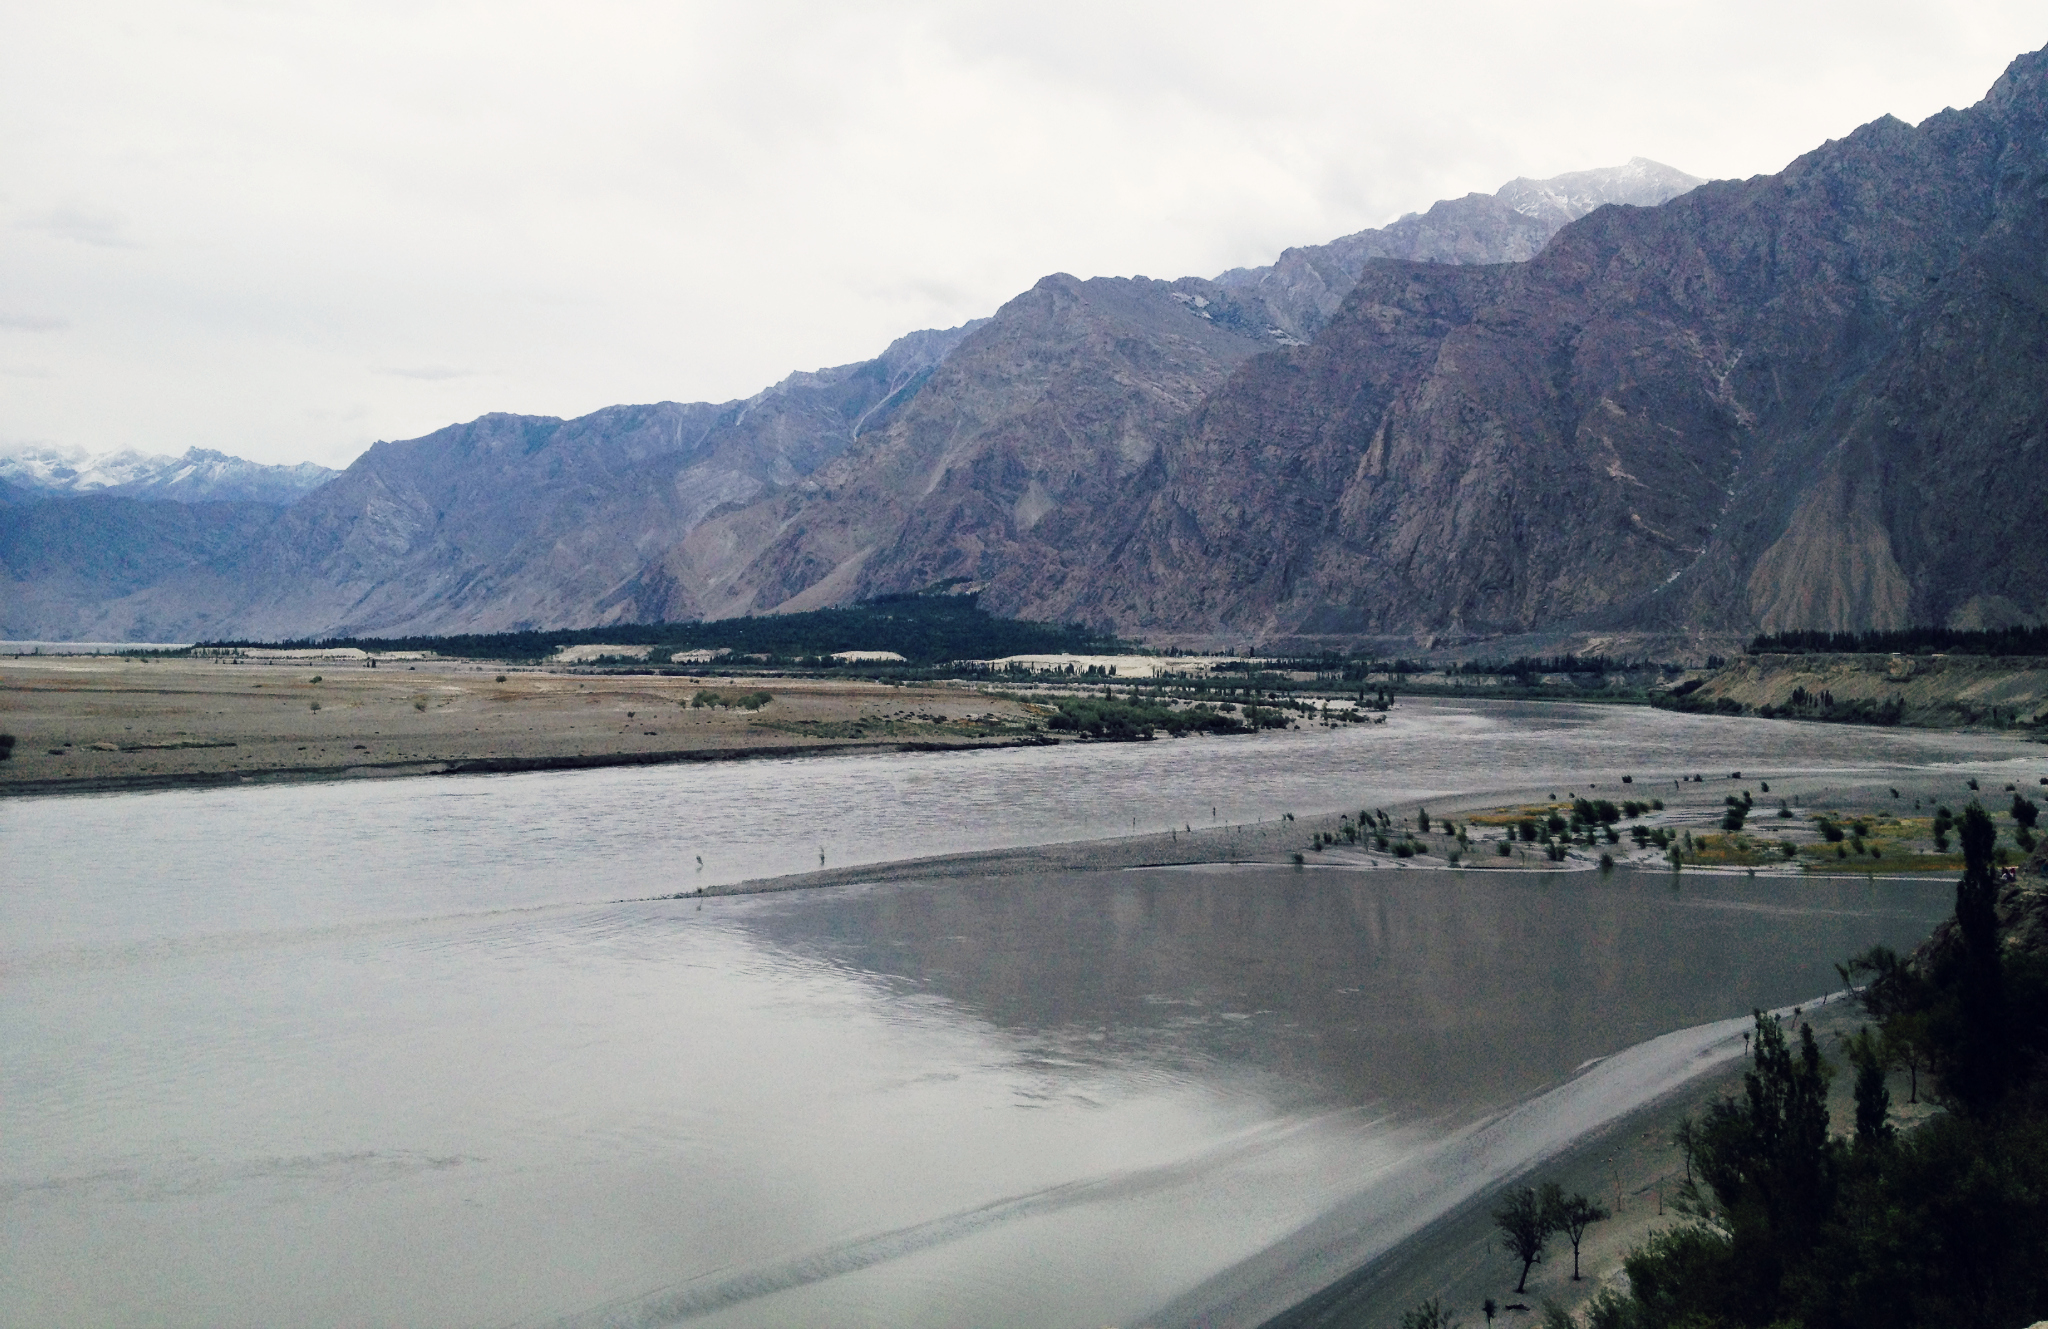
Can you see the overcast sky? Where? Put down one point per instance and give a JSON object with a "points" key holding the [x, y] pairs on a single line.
{"points": [[285, 231]]}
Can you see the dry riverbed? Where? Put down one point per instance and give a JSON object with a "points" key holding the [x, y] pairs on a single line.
{"points": [[95, 723]]}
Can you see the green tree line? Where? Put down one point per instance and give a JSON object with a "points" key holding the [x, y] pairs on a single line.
{"points": [[1792, 1226]]}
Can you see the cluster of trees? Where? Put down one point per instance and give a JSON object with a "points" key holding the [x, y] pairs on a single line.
{"points": [[1591, 822], [1379, 830], [1942, 1224], [1525, 667], [1802, 705], [1822, 706], [739, 701], [923, 629], [1532, 1216], [1132, 719], [1906, 641], [1682, 699]]}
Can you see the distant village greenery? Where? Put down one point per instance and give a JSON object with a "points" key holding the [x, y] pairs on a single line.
{"points": [[1137, 718], [1906, 641], [923, 629]]}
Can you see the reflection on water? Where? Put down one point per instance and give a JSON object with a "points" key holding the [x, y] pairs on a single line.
{"points": [[380, 1053], [1424, 994]]}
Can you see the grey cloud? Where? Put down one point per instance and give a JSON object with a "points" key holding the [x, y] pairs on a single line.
{"points": [[33, 322], [105, 230]]}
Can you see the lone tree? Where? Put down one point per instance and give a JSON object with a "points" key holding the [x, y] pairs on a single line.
{"points": [[1573, 1217], [1982, 1051], [1525, 1224]]}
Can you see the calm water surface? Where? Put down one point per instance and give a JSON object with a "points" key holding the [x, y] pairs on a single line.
{"points": [[391, 1053]]}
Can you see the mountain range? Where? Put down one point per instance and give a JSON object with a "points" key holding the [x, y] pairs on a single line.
{"points": [[200, 476], [1619, 401], [514, 521]]}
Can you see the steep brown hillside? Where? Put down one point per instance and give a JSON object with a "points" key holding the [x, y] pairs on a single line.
{"points": [[1032, 437], [504, 522], [999, 468], [1812, 399], [1038, 421], [1305, 285]]}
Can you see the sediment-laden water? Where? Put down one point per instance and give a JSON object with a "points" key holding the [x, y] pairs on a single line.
{"points": [[393, 1053]]}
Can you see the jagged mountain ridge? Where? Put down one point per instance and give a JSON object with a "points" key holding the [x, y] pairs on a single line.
{"points": [[1043, 420], [201, 475], [997, 466], [1813, 399], [1045, 413], [504, 522], [1305, 285]]}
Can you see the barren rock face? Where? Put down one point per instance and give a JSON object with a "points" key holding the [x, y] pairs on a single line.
{"points": [[1305, 286], [504, 522], [1020, 457], [1815, 398], [1042, 418]]}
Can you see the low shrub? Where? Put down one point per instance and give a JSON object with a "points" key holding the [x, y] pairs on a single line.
{"points": [[737, 701]]}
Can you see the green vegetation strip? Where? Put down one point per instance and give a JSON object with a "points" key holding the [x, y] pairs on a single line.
{"points": [[923, 629]]}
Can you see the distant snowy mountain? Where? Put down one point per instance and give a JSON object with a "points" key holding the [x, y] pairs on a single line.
{"points": [[200, 476], [1304, 286]]}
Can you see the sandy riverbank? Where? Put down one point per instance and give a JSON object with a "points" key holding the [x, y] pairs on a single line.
{"points": [[1629, 1164], [1905, 800], [89, 724]]}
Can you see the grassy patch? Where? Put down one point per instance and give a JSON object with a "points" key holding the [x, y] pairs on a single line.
{"points": [[880, 728], [738, 701], [1116, 718]]}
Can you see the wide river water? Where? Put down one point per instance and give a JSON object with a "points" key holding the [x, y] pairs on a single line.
{"points": [[415, 1052]]}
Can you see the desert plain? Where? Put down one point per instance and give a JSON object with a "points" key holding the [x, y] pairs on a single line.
{"points": [[93, 723]]}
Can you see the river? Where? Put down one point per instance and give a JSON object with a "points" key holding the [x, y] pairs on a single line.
{"points": [[418, 1052]]}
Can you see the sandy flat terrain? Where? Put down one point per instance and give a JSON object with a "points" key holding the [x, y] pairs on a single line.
{"points": [[94, 723]]}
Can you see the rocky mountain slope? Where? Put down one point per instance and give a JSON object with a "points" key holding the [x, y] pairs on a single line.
{"points": [[1305, 286], [60, 555], [993, 462], [1814, 399], [200, 476], [1041, 425], [506, 521], [1040, 418]]}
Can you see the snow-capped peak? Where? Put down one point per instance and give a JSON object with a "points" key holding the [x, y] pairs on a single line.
{"points": [[200, 475]]}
